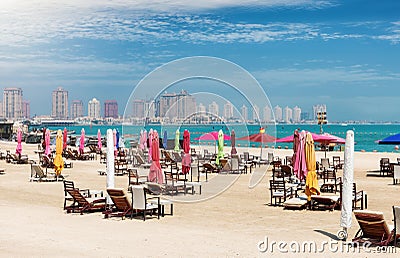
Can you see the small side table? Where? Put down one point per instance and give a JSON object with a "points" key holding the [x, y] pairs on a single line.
{"points": [[163, 203]]}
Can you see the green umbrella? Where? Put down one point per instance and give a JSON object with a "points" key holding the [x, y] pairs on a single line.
{"points": [[220, 154], [177, 140]]}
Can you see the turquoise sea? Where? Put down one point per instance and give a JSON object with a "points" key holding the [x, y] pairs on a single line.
{"points": [[366, 135]]}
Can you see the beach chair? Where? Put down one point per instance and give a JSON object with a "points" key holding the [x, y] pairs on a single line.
{"points": [[38, 175], [396, 174], [384, 166], [396, 219], [140, 161], [69, 185], [122, 206], [174, 184], [280, 192], [155, 189], [83, 204], [141, 202], [330, 182], [325, 202], [194, 174], [236, 166], [373, 228], [134, 178]]}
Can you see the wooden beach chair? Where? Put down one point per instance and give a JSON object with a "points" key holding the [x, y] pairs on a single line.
{"points": [[122, 206], [373, 228], [83, 204], [69, 185], [325, 202]]}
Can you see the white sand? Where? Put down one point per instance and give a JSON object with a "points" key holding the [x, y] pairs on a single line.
{"points": [[33, 222]]}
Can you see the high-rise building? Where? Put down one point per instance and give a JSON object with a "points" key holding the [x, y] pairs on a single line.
{"points": [[94, 109], [256, 113], [245, 113], [201, 108], [213, 109], [288, 114], [278, 113], [138, 108], [267, 114], [177, 105], [320, 108], [228, 110], [296, 114], [12, 103], [150, 108], [26, 109], [76, 109], [60, 104], [111, 108]]}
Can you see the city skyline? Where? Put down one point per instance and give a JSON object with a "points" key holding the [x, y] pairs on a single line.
{"points": [[341, 53]]}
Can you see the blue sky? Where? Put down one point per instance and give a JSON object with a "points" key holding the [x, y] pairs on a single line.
{"points": [[345, 54]]}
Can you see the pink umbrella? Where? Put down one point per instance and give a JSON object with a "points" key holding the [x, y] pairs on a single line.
{"points": [[144, 140], [99, 144], [115, 142], [155, 174], [316, 138], [65, 138], [47, 150], [300, 166], [186, 161], [212, 136], [150, 144], [18, 151], [141, 140], [82, 142]]}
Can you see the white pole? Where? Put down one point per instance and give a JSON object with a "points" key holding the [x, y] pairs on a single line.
{"points": [[348, 176], [110, 160]]}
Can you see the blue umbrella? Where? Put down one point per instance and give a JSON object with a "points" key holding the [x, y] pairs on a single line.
{"points": [[393, 139], [117, 144], [165, 139]]}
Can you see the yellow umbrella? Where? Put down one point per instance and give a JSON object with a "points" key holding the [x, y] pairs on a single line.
{"points": [[58, 160], [312, 187]]}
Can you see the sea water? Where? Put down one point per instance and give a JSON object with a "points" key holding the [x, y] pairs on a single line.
{"points": [[366, 135]]}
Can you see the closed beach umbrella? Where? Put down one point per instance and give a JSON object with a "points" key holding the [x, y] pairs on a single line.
{"points": [[220, 154], [155, 174], [58, 160], [47, 142], [115, 142], [312, 187], [82, 142], [177, 140], [300, 167], [99, 144], [141, 142], [233, 142], [347, 190], [150, 144], [186, 161], [18, 151], [65, 138], [117, 139], [110, 161], [165, 140], [296, 142]]}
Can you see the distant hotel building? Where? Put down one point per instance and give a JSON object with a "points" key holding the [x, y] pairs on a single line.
{"points": [[94, 109], [26, 109], [288, 114], [244, 111], [176, 105], [138, 108], [278, 114], [213, 108], [111, 108], [60, 104], [296, 114], [76, 109], [12, 103], [267, 114], [228, 111], [321, 108]]}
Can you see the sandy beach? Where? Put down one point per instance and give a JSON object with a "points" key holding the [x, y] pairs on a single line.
{"points": [[34, 224]]}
